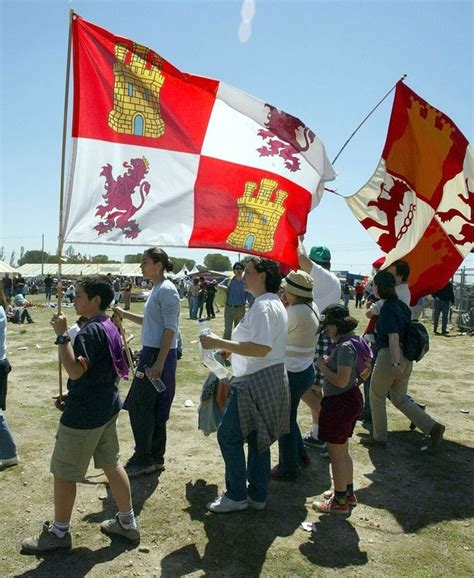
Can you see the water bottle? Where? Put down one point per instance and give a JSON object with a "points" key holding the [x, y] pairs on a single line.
{"points": [[157, 383], [208, 355]]}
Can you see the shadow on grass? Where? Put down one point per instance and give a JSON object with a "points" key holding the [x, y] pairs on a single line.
{"points": [[420, 488], [77, 562], [237, 543], [334, 543], [142, 488]]}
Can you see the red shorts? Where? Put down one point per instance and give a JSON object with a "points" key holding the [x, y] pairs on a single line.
{"points": [[338, 416]]}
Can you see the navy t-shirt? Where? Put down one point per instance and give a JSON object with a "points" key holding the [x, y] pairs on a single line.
{"points": [[394, 317], [93, 399]]}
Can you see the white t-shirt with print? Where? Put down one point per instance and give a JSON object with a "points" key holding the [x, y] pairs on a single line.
{"points": [[265, 323], [326, 288]]}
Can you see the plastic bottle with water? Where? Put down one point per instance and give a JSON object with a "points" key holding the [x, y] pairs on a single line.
{"points": [[208, 355]]}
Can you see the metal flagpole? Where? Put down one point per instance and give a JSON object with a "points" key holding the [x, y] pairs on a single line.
{"points": [[61, 197], [370, 114]]}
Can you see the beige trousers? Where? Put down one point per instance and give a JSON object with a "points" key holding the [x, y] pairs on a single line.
{"points": [[381, 384], [232, 317]]}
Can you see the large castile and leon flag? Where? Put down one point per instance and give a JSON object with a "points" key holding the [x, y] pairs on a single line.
{"points": [[160, 157], [419, 203]]}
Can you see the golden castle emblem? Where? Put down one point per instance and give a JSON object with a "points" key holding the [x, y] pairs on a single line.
{"points": [[138, 81], [259, 216]]}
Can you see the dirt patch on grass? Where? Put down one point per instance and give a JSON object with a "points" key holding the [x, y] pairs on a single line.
{"points": [[413, 518]]}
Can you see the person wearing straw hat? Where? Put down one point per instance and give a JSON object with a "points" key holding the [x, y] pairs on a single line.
{"points": [[303, 323]]}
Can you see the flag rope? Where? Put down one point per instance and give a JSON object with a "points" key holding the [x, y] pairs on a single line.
{"points": [[366, 117], [334, 192]]}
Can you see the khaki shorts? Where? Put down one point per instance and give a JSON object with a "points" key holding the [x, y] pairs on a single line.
{"points": [[74, 449]]}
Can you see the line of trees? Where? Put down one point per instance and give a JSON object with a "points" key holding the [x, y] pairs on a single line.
{"points": [[214, 261], [35, 256]]}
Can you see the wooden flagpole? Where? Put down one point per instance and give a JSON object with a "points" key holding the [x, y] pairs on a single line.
{"points": [[61, 196], [368, 115], [125, 344]]}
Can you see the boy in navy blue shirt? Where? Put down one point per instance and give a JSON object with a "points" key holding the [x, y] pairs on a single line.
{"points": [[87, 426]]}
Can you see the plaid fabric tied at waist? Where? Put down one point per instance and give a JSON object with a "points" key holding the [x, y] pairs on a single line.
{"points": [[264, 404], [322, 347]]}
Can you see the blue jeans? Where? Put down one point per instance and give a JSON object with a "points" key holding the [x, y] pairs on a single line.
{"points": [[440, 307], [231, 442], [193, 306], [7, 445], [290, 446]]}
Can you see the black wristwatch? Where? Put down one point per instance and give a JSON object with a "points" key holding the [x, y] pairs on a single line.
{"points": [[62, 339]]}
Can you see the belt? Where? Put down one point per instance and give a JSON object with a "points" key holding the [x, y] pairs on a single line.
{"points": [[243, 305]]}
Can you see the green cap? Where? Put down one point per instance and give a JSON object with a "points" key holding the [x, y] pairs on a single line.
{"points": [[320, 255]]}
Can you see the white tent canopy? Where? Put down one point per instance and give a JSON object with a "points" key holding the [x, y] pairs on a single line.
{"points": [[5, 268], [182, 274], [81, 269]]}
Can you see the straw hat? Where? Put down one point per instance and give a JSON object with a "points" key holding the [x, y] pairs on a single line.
{"points": [[298, 283]]}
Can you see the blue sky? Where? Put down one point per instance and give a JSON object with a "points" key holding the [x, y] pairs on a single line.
{"points": [[327, 62]]}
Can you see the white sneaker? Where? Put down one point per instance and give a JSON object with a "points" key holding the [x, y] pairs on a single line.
{"points": [[9, 462], [256, 505], [223, 504]]}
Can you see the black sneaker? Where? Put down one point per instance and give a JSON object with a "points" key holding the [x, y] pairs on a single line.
{"points": [[312, 442], [135, 468]]}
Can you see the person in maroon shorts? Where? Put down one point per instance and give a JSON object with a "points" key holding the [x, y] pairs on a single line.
{"points": [[341, 406]]}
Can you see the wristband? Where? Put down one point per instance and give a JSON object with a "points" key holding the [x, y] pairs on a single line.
{"points": [[62, 340]]}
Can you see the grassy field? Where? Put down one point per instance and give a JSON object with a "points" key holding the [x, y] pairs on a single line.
{"points": [[414, 516]]}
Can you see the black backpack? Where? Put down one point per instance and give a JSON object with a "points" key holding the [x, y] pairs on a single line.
{"points": [[416, 342]]}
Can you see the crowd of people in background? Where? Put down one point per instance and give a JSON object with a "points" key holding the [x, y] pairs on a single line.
{"points": [[287, 339]]}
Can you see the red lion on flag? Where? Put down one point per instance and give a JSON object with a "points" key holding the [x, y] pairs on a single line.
{"points": [[467, 230], [286, 128], [119, 207], [390, 202]]}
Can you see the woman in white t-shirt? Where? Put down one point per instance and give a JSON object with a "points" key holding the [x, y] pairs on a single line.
{"points": [[258, 408]]}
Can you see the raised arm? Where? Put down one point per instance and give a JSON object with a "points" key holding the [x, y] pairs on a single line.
{"points": [[304, 261]]}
